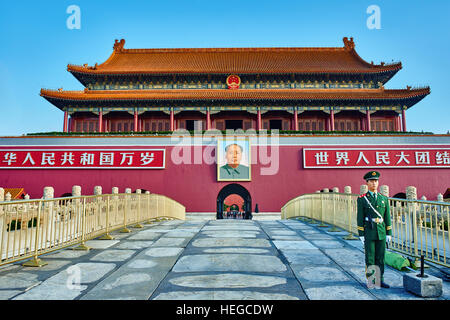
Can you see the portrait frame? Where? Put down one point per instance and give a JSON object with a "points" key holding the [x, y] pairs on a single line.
{"points": [[244, 164]]}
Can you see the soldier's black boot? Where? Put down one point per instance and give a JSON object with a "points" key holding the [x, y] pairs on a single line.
{"points": [[385, 285]]}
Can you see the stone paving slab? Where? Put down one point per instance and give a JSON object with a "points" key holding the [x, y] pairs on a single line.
{"points": [[168, 242], [229, 262], [227, 280], [306, 257], [294, 245], [216, 259], [101, 244], [113, 255], [292, 238], [337, 292], [229, 242], [137, 279], [56, 287], [223, 295], [233, 234]]}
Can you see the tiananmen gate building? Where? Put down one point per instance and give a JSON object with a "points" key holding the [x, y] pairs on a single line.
{"points": [[153, 99], [317, 89]]}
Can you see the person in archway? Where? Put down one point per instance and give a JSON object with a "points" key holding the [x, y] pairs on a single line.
{"points": [[233, 169], [374, 229]]}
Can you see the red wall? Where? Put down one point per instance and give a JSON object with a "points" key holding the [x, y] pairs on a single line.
{"points": [[195, 185]]}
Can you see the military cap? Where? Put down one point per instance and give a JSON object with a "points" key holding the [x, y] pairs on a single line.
{"points": [[372, 175]]}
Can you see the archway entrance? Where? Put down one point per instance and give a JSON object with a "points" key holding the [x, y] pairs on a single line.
{"points": [[234, 189]]}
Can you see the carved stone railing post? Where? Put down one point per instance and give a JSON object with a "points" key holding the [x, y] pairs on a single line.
{"points": [[8, 199], [138, 208], [335, 203], [26, 206], [384, 190], [48, 213], [411, 194], [348, 190], [2, 198], [76, 192], [99, 205], [97, 190], [126, 211], [114, 202], [115, 191], [363, 189]]}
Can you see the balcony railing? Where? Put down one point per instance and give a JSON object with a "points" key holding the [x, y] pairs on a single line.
{"points": [[31, 228], [419, 227]]}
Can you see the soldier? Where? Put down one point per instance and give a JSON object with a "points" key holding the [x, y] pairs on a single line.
{"points": [[374, 228]]}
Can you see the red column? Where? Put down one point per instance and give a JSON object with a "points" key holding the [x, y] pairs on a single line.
{"points": [[66, 117], [70, 128], [332, 119], [100, 121], [404, 120], [295, 120], [172, 122], [208, 119], [368, 127], [135, 121], [258, 120]]}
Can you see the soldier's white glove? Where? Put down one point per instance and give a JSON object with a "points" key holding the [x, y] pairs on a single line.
{"points": [[362, 239], [388, 239]]}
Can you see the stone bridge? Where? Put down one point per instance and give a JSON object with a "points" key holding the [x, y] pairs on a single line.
{"points": [[208, 260]]}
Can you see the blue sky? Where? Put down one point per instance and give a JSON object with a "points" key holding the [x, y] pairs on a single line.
{"points": [[36, 44]]}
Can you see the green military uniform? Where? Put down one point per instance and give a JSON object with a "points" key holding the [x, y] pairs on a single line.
{"points": [[240, 172], [374, 233]]}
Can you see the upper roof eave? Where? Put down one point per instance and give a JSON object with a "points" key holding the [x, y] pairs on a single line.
{"points": [[240, 94], [276, 60]]}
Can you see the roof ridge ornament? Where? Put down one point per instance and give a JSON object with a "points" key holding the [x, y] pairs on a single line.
{"points": [[349, 44], [118, 45]]}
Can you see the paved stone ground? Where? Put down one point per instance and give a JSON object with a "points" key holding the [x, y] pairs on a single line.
{"points": [[207, 260]]}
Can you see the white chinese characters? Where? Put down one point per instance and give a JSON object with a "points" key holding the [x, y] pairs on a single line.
{"points": [[377, 157], [78, 158]]}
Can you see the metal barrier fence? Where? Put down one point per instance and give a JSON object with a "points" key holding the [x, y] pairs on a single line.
{"points": [[419, 227], [31, 228]]}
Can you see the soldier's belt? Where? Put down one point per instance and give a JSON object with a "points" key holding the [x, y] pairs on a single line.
{"points": [[376, 220]]}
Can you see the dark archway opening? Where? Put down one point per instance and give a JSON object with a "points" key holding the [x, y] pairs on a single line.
{"points": [[234, 188]]}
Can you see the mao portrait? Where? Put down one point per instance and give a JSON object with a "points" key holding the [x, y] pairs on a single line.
{"points": [[233, 160]]}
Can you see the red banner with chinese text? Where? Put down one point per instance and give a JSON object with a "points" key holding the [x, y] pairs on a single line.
{"points": [[77, 157], [376, 157]]}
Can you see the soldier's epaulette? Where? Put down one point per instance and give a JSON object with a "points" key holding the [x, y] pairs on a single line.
{"points": [[362, 195]]}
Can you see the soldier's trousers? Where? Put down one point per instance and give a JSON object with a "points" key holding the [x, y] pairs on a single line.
{"points": [[374, 252]]}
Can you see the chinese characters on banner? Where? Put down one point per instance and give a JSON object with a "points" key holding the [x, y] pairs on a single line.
{"points": [[81, 158], [376, 157]]}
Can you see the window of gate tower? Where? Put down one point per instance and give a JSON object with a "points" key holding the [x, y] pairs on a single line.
{"points": [[233, 124]]}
